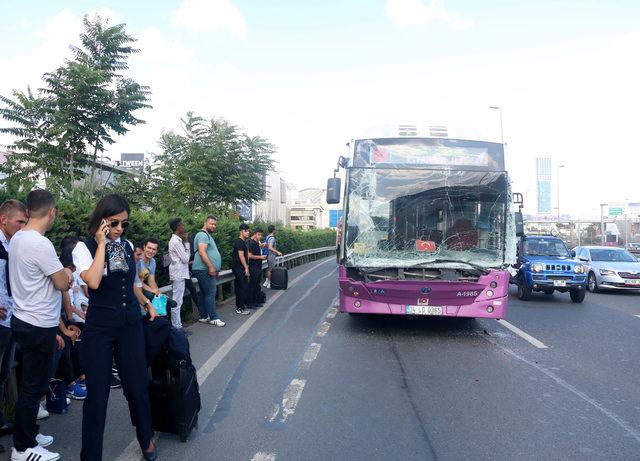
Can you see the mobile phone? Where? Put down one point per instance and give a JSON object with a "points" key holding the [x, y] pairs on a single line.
{"points": [[106, 230]]}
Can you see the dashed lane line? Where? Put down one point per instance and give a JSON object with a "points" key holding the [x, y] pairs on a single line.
{"points": [[262, 456], [526, 336]]}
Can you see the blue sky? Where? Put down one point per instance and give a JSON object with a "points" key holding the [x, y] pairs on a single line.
{"points": [[309, 75]]}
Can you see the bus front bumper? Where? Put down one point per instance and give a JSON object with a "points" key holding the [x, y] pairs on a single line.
{"points": [[493, 309]]}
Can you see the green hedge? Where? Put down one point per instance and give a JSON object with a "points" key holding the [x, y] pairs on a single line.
{"points": [[73, 213]]}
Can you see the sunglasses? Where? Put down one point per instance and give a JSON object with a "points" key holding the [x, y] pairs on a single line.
{"points": [[115, 223]]}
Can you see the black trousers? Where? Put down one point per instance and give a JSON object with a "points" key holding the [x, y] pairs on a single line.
{"points": [[242, 288], [37, 346], [100, 344], [193, 292], [254, 284]]}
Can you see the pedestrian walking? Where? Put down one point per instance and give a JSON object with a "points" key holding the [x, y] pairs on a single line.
{"points": [[113, 327], [240, 269], [206, 266], [179, 250], [255, 267], [36, 278], [272, 246], [13, 217]]}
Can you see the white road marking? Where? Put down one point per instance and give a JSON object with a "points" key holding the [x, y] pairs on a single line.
{"points": [[132, 452], [630, 430], [637, 316], [262, 456], [333, 311], [526, 336], [310, 355], [291, 397], [324, 329]]}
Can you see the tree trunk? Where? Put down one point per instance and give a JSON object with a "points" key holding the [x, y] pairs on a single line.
{"points": [[93, 169]]}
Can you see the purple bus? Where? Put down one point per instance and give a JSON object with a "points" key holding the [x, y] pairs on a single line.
{"points": [[428, 225]]}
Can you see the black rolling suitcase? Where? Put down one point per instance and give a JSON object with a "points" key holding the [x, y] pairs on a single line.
{"points": [[175, 396], [279, 278]]}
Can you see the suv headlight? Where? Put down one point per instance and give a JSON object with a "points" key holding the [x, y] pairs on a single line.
{"points": [[537, 267], [607, 272], [578, 269]]}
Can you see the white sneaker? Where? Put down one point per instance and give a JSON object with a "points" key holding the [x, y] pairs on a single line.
{"points": [[204, 320], [266, 283], [42, 412], [44, 440], [217, 323], [68, 401], [36, 453]]}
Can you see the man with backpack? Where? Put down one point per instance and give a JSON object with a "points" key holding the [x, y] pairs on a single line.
{"points": [[206, 265], [271, 245]]}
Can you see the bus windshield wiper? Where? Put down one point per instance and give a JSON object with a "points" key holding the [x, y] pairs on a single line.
{"points": [[477, 267]]}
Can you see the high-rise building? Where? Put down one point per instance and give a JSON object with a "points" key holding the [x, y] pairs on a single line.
{"points": [[543, 184]]}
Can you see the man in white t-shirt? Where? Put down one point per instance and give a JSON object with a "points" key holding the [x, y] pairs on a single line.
{"points": [[37, 278]]}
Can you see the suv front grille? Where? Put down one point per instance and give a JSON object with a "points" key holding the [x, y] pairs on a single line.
{"points": [[558, 267]]}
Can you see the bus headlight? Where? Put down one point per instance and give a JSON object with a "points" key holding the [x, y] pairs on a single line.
{"points": [[537, 267], [578, 269], [489, 293]]}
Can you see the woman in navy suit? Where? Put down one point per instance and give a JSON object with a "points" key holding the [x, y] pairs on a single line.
{"points": [[113, 327]]}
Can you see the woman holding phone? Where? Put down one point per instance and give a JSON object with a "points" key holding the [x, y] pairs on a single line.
{"points": [[113, 327]]}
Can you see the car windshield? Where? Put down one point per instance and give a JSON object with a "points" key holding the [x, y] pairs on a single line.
{"points": [[622, 256], [400, 218], [545, 247]]}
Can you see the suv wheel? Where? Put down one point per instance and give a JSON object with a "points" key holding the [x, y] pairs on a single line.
{"points": [[577, 296], [524, 292], [592, 283]]}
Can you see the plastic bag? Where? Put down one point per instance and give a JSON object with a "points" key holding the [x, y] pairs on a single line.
{"points": [[160, 304]]}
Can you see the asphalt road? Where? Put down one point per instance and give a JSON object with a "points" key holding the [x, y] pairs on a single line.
{"points": [[298, 380]]}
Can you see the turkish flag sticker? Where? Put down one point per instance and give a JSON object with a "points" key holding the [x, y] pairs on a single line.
{"points": [[426, 246]]}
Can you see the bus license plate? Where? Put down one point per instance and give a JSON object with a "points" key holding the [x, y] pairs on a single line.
{"points": [[559, 283], [632, 282], [424, 310]]}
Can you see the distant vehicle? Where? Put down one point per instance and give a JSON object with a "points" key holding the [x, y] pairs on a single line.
{"points": [[610, 268], [545, 265], [634, 248]]}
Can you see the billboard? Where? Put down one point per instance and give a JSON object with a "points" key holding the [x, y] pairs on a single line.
{"points": [[133, 161], [543, 177]]}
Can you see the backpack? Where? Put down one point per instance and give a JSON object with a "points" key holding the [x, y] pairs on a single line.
{"points": [[192, 247]]}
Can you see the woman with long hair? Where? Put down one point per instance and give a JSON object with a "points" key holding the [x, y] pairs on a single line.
{"points": [[113, 327]]}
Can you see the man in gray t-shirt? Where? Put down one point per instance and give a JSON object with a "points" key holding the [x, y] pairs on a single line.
{"points": [[36, 278]]}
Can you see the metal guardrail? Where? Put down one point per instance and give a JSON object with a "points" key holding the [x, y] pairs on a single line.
{"points": [[291, 260]]}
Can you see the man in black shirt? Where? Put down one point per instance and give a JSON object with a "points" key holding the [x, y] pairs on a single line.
{"points": [[240, 269], [255, 267]]}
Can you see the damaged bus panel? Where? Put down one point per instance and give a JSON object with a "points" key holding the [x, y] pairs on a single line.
{"points": [[428, 226]]}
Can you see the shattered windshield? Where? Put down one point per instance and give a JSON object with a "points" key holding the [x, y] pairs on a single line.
{"points": [[412, 217]]}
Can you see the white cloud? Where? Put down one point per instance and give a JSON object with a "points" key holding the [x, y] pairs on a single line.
{"points": [[417, 13], [211, 15]]}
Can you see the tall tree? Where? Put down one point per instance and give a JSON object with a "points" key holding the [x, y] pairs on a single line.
{"points": [[94, 100], [35, 152], [210, 164]]}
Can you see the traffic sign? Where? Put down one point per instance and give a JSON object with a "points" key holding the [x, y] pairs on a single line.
{"points": [[616, 211]]}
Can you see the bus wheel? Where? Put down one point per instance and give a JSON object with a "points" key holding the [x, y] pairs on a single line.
{"points": [[577, 296], [524, 292]]}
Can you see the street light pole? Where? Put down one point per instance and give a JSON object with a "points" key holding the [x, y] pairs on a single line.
{"points": [[498, 108], [602, 236], [558, 181]]}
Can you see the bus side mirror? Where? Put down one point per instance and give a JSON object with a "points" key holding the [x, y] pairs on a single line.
{"points": [[519, 224], [333, 191]]}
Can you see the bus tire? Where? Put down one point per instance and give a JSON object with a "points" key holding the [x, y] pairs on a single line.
{"points": [[524, 292]]}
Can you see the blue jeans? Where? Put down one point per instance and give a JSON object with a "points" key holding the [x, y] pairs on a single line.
{"points": [[206, 295]]}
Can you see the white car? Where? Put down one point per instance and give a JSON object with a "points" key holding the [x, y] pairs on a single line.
{"points": [[609, 268]]}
